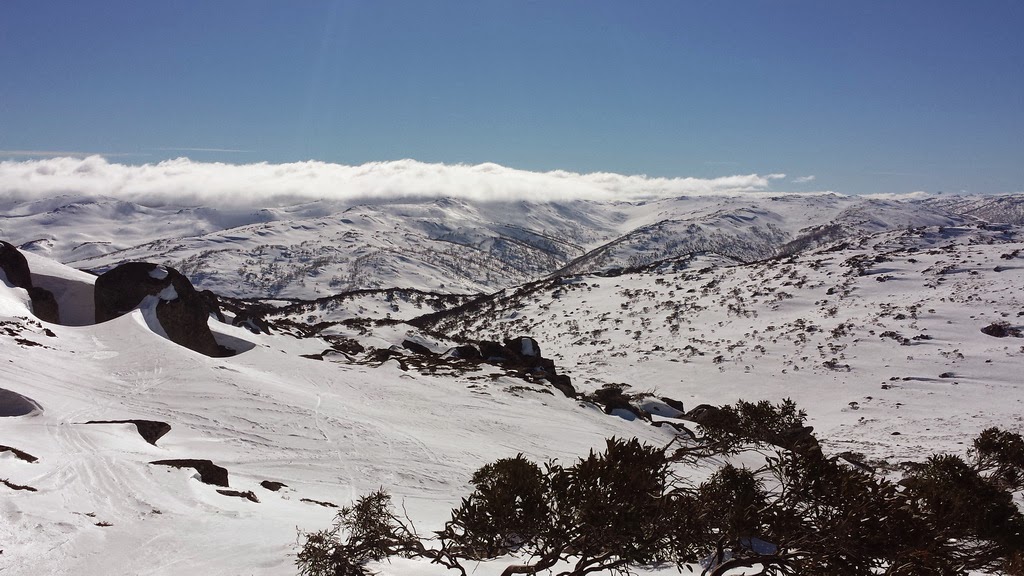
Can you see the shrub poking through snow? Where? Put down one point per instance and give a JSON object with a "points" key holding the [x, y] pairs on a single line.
{"points": [[801, 513]]}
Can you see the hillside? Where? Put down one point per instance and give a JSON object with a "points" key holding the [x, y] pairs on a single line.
{"points": [[875, 329], [318, 248]]}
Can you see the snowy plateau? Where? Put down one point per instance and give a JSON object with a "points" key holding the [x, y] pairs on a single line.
{"points": [[346, 322]]}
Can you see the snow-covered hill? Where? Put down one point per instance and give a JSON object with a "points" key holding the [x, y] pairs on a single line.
{"points": [[868, 313], [880, 339], [315, 249]]}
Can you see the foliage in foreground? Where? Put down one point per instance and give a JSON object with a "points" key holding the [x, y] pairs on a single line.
{"points": [[802, 513]]}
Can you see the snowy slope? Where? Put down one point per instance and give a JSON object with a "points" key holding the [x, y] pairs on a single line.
{"points": [[317, 248], [328, 431], [878, 339]]}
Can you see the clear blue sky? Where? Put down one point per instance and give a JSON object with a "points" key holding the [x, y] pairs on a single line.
{"points": [[878, 96]]}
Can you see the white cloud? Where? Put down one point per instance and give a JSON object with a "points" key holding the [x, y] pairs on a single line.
{"points": [[803, 179], [918, 195], [183, 181]]}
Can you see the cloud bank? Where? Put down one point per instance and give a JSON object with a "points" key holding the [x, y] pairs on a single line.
{"points": [[186, 182]]}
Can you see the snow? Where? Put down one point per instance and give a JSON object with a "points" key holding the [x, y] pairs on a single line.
{"points": [[696, 328], [329, 431], [159, 273]]}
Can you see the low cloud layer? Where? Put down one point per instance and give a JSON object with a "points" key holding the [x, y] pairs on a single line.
{"points": [[185, 182]]}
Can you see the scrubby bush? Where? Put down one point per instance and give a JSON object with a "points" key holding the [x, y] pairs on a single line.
{"points": [[801, 513]]}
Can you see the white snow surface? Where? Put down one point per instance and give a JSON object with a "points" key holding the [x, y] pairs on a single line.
{"points": [[329, 431], [875, 336], [317, 248]]}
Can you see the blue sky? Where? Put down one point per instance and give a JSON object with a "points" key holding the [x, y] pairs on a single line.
{"points": [[868, 97]]}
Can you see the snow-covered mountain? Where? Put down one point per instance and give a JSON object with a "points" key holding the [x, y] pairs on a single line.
{"points": [[868, 313], [315, 249]]}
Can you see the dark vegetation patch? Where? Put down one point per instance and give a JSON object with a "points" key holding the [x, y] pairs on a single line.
{"points": [[624, 507]]}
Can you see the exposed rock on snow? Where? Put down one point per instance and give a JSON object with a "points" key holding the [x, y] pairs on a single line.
{"points": [[19, 454], [182, 312], [14, 404], [15, 268], [209, 473], [150, 430]]}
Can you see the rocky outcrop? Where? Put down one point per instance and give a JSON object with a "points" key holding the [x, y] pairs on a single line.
{"points": [[1001, 330], [14, 404], [150, 430], [209, 473], [44, 305], [182, 311], [15, 267]]}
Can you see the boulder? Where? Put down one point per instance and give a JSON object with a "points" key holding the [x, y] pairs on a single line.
{"points": [[15, 266], [416, 348], [251, 322], [465, 352], [523, 346], [213, 303], [150, 430], [182, 311], [44, 305], [209, 473]]}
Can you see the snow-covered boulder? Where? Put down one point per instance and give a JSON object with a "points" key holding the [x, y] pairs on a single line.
{"points": [[181, 312]]}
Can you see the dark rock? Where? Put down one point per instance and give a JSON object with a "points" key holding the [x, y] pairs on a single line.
{"points": [[15, 266], [273, 486], [14, 404], [563, 384], [213, 304], [674, 404], [44, 305], [466, 352], [345, 345], [14, 486], [251, 322], [150, 430], [209, 473], [1001, 330], [183, 316], [612, 398], [247, 495], [523, 346], [705, 415], [119, 290], [21, 455], [318, 356], [416, 347], [492, 351]]}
